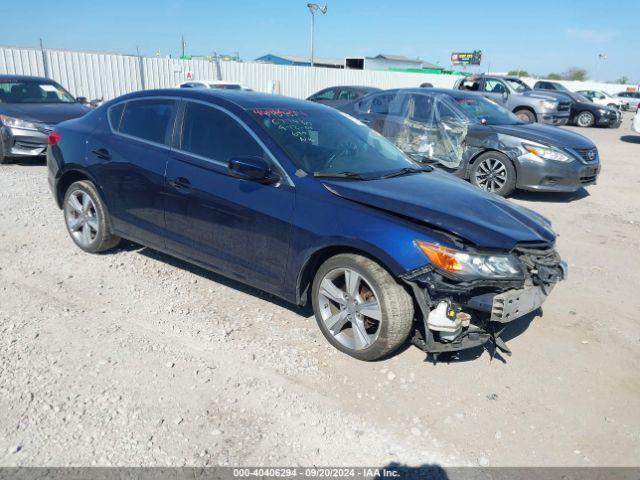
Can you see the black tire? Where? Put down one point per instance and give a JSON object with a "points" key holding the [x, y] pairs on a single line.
{"points": [[526, 116], [476, 173], [395, 304], [585, 119], [4, 160], [103, 239]]}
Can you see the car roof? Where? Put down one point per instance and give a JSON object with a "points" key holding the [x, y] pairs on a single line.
{"points": [[241, 98], [26, 78], [431, 91]]}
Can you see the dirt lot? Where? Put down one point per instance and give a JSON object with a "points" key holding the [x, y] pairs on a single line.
{"points": [[134, 358]]}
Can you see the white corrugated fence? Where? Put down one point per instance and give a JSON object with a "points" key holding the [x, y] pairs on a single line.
{"points": [[107, 75]]}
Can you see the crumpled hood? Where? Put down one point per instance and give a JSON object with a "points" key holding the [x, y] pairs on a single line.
{"points": [[448, 203], [546, 134], [546, 95], [49, 113]]}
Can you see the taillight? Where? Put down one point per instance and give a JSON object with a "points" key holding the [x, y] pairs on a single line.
{"points": [[54, 137]]}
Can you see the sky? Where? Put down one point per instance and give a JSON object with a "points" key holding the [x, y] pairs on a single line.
{"points": [[538, 36]]}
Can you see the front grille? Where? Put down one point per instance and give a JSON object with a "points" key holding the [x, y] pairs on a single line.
{"points": [[589, 155], [542, 262], [564, 106]]}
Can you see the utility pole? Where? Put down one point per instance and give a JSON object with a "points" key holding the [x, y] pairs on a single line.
{"points": [[313, 8], [45, 63], [184, 45]]}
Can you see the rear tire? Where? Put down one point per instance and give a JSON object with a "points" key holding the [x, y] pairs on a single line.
{"points": [[87, 219], [494, 172], [349, 291], [526, 116], [585, 119]]}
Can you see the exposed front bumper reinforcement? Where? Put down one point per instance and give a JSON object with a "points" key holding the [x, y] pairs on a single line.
{"points": [[474, 336]]}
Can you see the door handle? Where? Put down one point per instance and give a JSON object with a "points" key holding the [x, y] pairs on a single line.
{"points": [[180, 183], [102, 153]]}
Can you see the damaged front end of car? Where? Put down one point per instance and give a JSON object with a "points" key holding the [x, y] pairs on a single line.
{"points": [[466, 298]]}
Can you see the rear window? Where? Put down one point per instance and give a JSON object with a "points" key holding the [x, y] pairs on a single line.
{"points": [[33, 91], [148, 120]]}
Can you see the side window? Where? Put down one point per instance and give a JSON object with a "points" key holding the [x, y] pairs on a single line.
{"points": [[421, 108], [115, 115], [347, 94], [148, 120], [447, 112], [328, 94], [211, 133], [492, 85]]}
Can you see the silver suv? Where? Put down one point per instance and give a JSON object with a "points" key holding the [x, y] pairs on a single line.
{"points": [[512, 93]]}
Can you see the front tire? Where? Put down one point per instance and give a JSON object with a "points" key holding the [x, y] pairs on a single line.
{"points": [[360, 308], [526, 116], [4, 160], [493, 172], [87, 219], [585, 119]]}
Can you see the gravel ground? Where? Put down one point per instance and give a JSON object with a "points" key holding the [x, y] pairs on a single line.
{"points": [[135, 358]]}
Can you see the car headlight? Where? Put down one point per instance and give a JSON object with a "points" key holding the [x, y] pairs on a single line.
{"points": [[17, 123], [549, 105], [471, 266], [603, 111], [548, 153]]}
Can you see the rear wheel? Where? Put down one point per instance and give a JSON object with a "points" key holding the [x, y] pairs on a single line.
{"points": [[360, 308], [526, 116], [585, 119], [87, 218], [495, 173]]}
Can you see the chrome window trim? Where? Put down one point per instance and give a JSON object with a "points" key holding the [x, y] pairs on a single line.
{"points": [[253, 135], [138, 139]]}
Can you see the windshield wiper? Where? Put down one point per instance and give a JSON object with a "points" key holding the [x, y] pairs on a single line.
{"points": [[353, 175], [407, 171]]}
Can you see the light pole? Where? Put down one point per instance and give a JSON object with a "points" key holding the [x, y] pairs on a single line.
{"points": [[313, 8], [601, 57]]}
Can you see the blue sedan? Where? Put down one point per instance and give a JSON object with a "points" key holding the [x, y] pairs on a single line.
{"points": [[304, 202]]}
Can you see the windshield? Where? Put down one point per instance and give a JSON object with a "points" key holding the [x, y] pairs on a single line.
{"points": [[518, 85], [478, 108], [33, 91], [323, 141], [578, 97]]}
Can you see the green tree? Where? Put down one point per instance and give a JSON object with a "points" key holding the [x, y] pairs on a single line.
{"points": [[518, 73], [575, 73], [554, 76], [623, 80]]}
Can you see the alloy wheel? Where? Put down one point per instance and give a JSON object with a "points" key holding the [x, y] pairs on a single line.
{"points": [[584, 119], [350, 308], [491, 174], [82, 218]]}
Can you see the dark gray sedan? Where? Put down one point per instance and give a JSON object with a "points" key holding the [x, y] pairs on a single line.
{"points": [[478, 140], [29, 108]]}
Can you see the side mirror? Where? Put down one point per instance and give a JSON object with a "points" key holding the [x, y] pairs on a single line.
{"points": [[505, 94], [82, 100], [252, 168]]}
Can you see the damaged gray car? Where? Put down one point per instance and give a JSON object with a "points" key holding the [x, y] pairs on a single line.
{"points": [[479, 141]]}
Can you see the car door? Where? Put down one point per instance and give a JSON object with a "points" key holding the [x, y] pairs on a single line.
{"points": [[239, 227], [128, 159], [385, 113], [495, 90]]}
